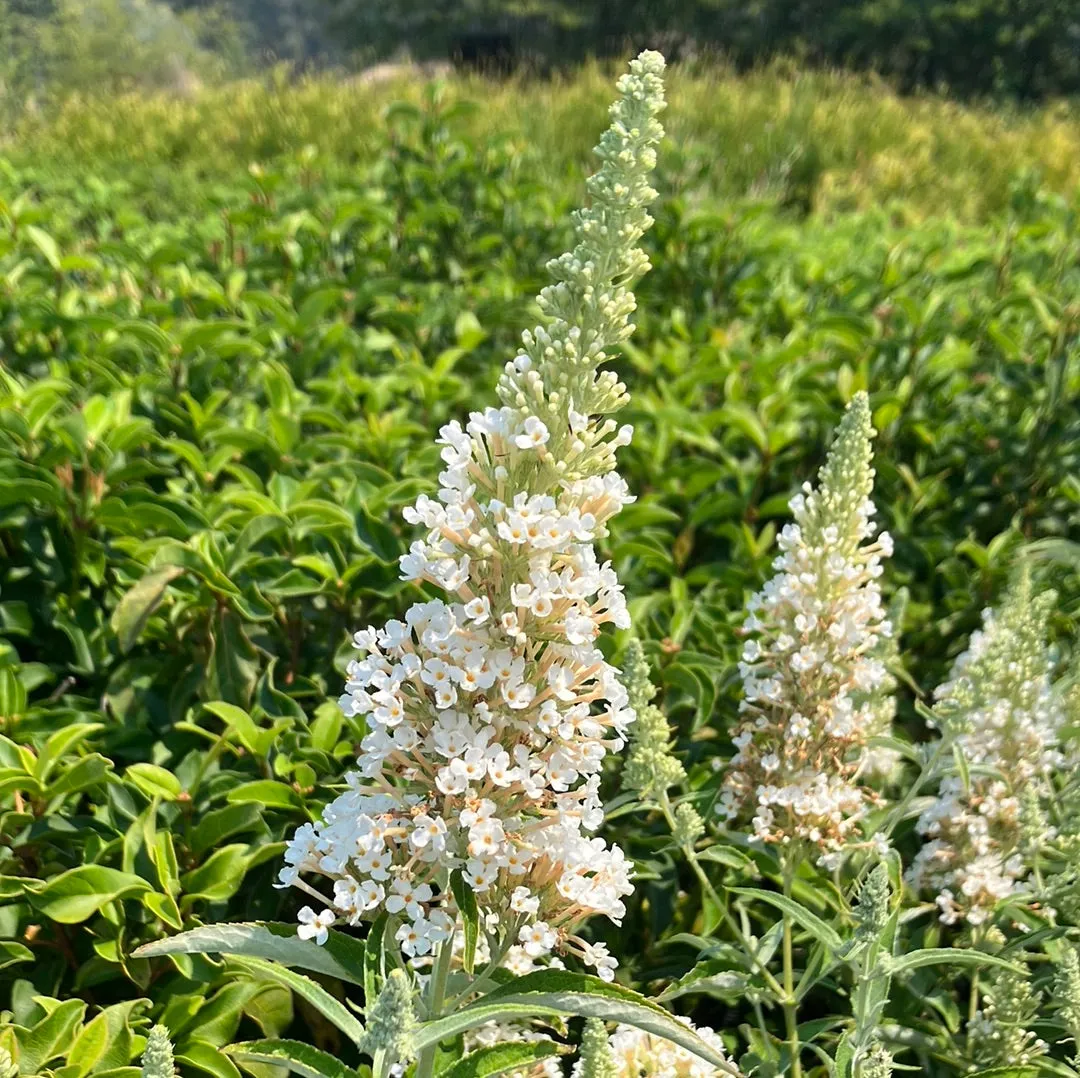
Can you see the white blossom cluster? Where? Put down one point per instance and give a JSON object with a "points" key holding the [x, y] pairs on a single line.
{"points": [[638, 1054], [810, 670], [490, 711], [635, 1053], [1008, 719]]}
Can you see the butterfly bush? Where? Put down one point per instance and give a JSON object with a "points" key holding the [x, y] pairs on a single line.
{"points": [[1007, 718], [490, 710], [810, 669]]}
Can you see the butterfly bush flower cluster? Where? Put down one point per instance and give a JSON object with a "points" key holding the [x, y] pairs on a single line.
{"points": [[1001, 704], [810, 669], [637, 1054], [490, 710]]}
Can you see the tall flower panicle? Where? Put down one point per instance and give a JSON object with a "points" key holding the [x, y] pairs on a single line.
{"points": [[490, 711], [811, 678], [1002, 709]]}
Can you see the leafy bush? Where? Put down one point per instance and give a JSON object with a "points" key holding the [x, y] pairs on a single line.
{"points": [[217, 399], [827, 142]]}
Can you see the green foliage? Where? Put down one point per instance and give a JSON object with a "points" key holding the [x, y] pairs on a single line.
{"points": [[216, 397], [810, 141], [106, 47]]}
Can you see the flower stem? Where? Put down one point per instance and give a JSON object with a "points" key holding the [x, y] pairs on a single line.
{"points": [[790, 1006], [690, 854], [425, 1065]]}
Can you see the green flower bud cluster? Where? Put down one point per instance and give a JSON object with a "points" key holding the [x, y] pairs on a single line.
{"points": [[588, 307], [1001, 1033], [595, 1058], [650, 767], [157, 1059], [391, 1021], [878, 1062], [872, 906]]}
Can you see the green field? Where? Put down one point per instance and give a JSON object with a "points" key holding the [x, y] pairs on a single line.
{"points": [[230, 326]]}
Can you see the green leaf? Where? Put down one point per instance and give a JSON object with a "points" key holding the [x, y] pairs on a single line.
{"points": [[51, 1037], [947, 956], [208, 1059], [221, 824], [239, 722], [217, 878], [470, 914], [12, 953], [813, 924], [265, 792], [1006, 1072], [12, 694], [234, 663], [78, 894], [89, 771], [89, 1045], [60, 744], [560, 992], [154, 781], [375, 957], [139, 603], [341, 956], [331, 1009], [296, 1056], [500, 1058], [845, 1054], [45, 244]]}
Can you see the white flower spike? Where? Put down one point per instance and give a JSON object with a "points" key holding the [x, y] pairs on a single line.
{"points": [[811, 678], [490, 711]]}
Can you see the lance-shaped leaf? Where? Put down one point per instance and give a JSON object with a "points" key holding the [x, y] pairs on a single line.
{"points": [[140, 601], [500, 1058], [298, 1057], [948, 956], [470, 915], [799, 914], [333, 1010], [341, 956]]}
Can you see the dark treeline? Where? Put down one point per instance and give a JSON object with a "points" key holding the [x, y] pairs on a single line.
{"points": [[1021, 49]]}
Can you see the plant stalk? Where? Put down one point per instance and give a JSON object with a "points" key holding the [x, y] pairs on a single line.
{"points": [[425, 1065], [791, 1021]]}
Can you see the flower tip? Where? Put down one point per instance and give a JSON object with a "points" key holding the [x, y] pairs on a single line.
{"points": [[651, 62]]}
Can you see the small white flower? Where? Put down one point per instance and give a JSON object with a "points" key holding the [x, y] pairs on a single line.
{"points": [[534, 434], [523, 901], [537, 939], [314, 925]]}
